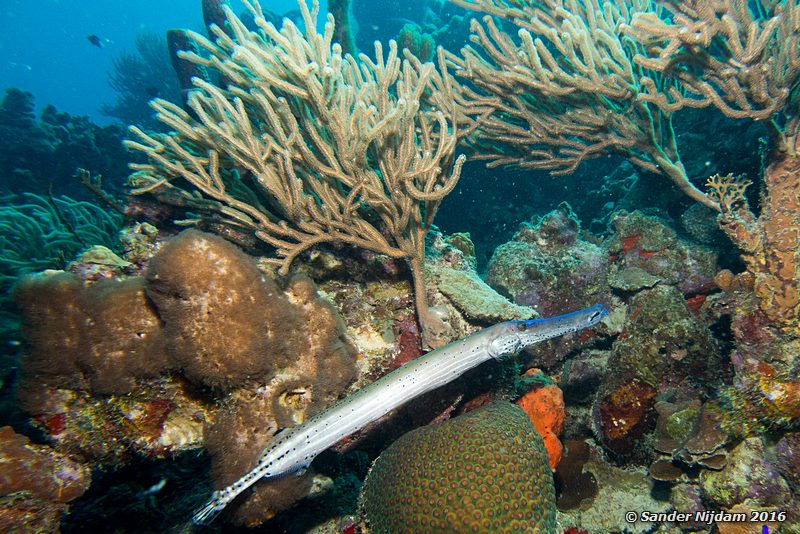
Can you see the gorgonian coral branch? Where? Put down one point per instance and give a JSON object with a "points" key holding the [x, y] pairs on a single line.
{"points": [[566, 88], [308, 145], [741, 57]]}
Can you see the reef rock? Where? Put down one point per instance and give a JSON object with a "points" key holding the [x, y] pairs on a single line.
{"points": [[663, 342], [548, 266], [35, 484], [748, 476], [645, 250]]}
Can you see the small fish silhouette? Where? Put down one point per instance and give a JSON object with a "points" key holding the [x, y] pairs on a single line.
{"points": [[98, 41]]}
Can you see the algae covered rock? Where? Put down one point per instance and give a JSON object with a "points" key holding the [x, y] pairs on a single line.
{"points": [[749, 475], [549, 266], [474, 297], [36, 483], [486, 471]]}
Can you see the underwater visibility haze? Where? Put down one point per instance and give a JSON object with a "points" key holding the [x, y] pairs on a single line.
{"points": [[399, 267]]}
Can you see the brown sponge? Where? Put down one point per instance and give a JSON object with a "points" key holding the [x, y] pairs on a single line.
{"points": [[242, 429], [204, 308], [54, 323], [225, 323], [318, 375], [102, 337], [124, 335]]}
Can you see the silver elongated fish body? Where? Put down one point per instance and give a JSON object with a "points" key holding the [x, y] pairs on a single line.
{"points": [[294, 448]]}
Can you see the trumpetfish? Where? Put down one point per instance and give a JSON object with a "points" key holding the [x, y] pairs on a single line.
{"points": [[293, 449]]}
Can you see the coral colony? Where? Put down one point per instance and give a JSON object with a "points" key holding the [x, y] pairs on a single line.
{"points": [[312, 320]]}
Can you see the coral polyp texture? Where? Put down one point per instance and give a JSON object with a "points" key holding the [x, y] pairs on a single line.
{"points": [[485, 471]]}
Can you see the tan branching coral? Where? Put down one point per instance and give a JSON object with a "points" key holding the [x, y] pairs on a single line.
{"points": [[566, 89], [728, 191], [584, 78], [748, 54], [309, 145], [744, 59]]}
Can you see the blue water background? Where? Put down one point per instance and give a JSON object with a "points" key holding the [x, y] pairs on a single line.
{"points": [[44, 47]]}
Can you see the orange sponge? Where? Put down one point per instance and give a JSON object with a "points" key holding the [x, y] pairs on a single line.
{"points": [[545, 407]]}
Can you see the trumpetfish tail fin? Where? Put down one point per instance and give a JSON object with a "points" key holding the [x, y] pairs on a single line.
{"points": [[215, 505]]}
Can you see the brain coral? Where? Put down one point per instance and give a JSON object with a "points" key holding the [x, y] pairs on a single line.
{"points": [[486, 471]]}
